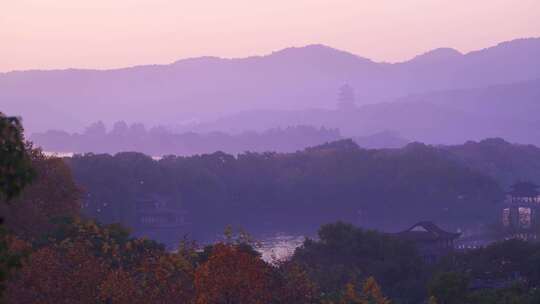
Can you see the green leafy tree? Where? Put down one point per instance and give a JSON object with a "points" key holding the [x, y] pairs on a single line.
{"points": [[15, 173], [15, 164], [449, 288], [53, 194], [345, 254]]}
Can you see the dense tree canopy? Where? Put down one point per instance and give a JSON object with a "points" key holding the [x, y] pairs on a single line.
{"points": [[16, 173], [344, 254], [53, 194], [66, 258], [15, 165], [505, 162], [294, 192]]}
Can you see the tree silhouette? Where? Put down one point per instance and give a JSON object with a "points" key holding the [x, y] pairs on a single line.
{"points": [[15, 164], [232, 275]]}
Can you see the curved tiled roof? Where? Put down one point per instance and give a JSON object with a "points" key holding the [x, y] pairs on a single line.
{"points": [[524, 189], [427, 231]]}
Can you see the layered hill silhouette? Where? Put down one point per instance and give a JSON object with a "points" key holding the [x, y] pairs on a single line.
{"points": [[291, 79], [442, 117]]}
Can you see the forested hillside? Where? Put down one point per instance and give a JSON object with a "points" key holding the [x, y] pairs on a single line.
{"points": [[505, 162], [47, 240], [268, 192]]}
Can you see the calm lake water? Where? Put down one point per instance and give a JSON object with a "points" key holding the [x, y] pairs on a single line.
{"points": [[276, 247], [70, 154], [279, 246]]}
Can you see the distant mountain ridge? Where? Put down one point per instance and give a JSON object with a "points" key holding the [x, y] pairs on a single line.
{"points": [[438, 55], [290, 79]]}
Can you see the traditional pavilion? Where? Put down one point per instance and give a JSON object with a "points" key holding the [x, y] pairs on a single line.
{"points": [[156, 218], [521, 211], [431, 241]]}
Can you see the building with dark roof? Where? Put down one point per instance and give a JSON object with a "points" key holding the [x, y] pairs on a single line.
{"points": [[431, 241], [524, 191]]}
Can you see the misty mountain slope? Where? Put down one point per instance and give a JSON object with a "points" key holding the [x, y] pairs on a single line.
{"points": [[191, 87], [34, 119], [508, 111], [445, 69], [507, 163], [418, 121], [160, 141], [382, 140], [510, 101], [443, 117], [292, 79]]}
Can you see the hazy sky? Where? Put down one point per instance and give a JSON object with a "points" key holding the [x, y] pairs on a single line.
{"points": [[49, 34]]}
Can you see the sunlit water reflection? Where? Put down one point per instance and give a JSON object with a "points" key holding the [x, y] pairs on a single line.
{"points": [[280, 246]]}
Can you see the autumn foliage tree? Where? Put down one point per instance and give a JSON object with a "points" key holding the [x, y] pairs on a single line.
{"points": [[370, 293], [67, 259], [292, 285], [64, 273], [232, 275], [70, 260], [52, 195], [164, 278], [84, 262], [67, 267]]}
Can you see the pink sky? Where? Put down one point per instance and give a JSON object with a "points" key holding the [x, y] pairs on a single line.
{"points": [[47, 34]]}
